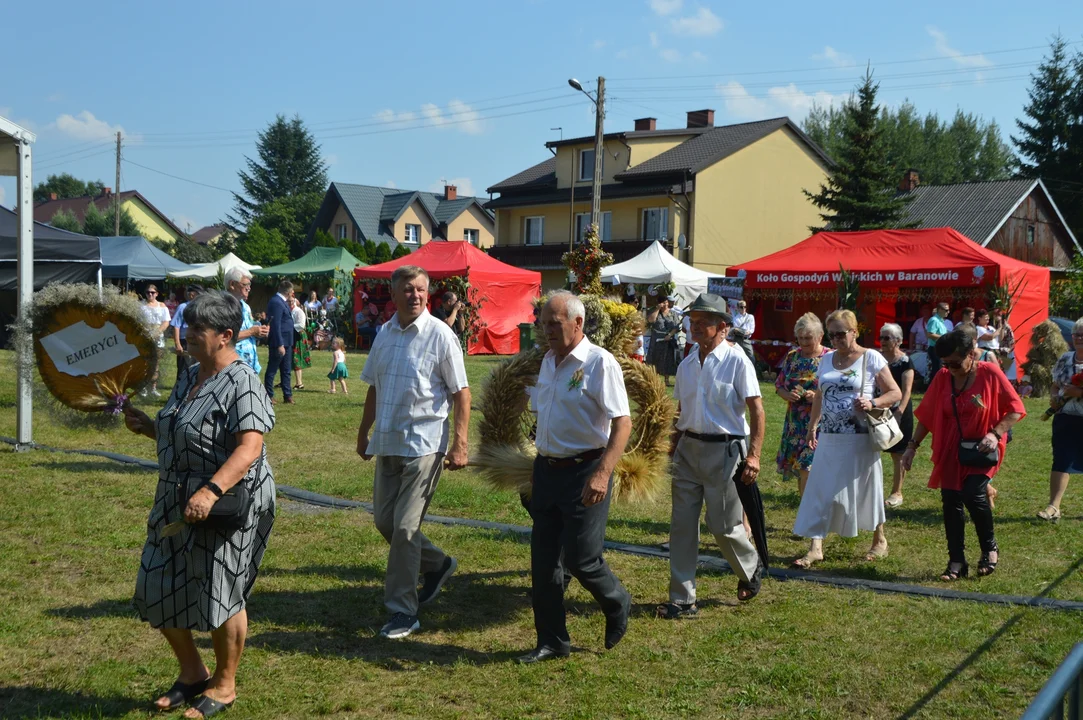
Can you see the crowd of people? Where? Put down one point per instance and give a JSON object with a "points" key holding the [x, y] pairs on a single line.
{"points": [[214, 507]]}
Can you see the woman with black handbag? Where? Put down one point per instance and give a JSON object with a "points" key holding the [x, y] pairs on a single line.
{"points": [[213, 509], [969, 408]]}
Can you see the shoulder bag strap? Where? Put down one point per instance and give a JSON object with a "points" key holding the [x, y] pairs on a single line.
{"points": [[864, 364]]}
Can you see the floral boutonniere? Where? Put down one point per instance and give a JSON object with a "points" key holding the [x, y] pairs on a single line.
{"points": [[978, 402], [576, 380]]}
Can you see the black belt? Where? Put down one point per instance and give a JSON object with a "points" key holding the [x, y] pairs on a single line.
{"points": [[713, 438], [574, 459]]}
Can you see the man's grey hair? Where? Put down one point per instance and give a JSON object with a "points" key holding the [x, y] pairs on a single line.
{"points": [[573, 306], [892, 330], [285, 287], [406, 273], [215, 310], [1078, 327], [237, 275]]}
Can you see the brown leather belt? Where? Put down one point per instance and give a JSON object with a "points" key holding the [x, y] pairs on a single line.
{"points": [[713, 438], [574, 459]]}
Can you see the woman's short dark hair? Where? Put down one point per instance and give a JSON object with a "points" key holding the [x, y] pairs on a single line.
{"points": [[215, 310], [959, 341]]}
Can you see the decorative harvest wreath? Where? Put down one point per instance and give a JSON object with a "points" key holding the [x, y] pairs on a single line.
{"points": [[92, 348], [506, 455]]}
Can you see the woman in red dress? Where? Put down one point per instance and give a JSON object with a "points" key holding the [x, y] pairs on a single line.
{"points": [[972, 401]]}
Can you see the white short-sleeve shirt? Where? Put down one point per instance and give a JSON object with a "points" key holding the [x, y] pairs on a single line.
{"points": [[415, 371], [712, 394], [577, 401], [839, 387]]}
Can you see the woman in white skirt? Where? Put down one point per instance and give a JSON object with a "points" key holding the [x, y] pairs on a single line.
{"points": [[845, 489]]}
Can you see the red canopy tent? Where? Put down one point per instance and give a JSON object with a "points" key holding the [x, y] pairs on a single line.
{"points": [[506, 292], [892, 265]]}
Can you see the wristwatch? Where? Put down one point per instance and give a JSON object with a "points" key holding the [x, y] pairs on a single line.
{"points": [[214, 489]]}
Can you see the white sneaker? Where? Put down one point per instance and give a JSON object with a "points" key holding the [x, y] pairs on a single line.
{"points": [[155, 393], [399, 626]]}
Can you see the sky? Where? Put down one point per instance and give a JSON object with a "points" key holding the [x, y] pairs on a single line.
{"points": [[416, 94]]}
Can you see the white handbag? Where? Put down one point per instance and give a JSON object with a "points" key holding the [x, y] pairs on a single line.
{"points": [[884, 429]]}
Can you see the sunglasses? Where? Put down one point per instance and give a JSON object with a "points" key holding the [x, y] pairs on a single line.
{"points": [[955, 364], [151, 292], [838, 335]]}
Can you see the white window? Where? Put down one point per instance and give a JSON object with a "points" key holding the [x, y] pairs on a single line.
{"points": [[655, 223], [582, 222], [586, 164], [472, 236], [341, 231], [413, 234], [533, 230]]}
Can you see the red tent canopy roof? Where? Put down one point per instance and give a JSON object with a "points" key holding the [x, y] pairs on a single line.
{"points": [[446, 259]]}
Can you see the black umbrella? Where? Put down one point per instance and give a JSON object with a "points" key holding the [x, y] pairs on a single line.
{"points": [[753, 504]]}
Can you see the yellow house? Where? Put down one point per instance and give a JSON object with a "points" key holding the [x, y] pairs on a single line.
{"points": [[402, 217], [714, 196], [152, 223]]}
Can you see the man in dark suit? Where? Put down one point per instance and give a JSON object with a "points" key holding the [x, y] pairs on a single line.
{"points": [[280, 342]]}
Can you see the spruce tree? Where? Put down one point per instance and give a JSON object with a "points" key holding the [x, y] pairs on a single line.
{"points": [[860, 192]]}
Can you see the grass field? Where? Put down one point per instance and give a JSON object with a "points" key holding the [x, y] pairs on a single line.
{"points": [[71, 529]]}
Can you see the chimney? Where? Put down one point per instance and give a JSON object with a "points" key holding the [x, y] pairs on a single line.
{"points": [[910, 181], [700, 118], [107, 191], [646, 124], [52, 196], [451, 192]]}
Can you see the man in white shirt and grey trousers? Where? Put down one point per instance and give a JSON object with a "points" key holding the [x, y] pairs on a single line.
{"points": [[583, 426], [713, 442], [415, 367]]}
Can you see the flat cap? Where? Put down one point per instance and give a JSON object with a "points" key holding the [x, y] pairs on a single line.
{"points": [[711, 303]]}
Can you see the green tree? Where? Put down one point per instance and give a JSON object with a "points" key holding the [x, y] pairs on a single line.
{"points": [[382, 254], [260, 246], [400, 251], [66, 221], [322, 238], [995, 161], [101, 224], [357, 250], [66, 186], [186, 250], [860, 190], [289, 164], [291, 217]]}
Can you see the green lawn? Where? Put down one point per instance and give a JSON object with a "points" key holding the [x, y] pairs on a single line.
{"points": [[71, 529]]}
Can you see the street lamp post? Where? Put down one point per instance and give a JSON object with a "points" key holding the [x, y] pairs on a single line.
{"points": [[599, 117]]}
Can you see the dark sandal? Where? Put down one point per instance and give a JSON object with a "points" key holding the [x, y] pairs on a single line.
{"points": [[986, 568], [748, 590], [209, 706], [950, 575], [676, 611], [180, 694]]}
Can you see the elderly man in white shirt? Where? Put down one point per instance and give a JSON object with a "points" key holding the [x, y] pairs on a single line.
{"points": [[712, 443], [742, 329], [583, 426], [415, 370]]}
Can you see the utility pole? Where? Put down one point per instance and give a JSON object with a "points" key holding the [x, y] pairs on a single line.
{"points": [[596, 192], [116, 194]]}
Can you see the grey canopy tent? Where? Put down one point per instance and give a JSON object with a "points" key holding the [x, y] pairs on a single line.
{"points": [[59, 256], [133, 258]]}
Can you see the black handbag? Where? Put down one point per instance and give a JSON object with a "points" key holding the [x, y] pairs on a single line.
{"points": [[230, 512], [969, 454]]}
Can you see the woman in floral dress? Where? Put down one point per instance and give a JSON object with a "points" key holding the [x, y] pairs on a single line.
{"points": [[796, 384]]}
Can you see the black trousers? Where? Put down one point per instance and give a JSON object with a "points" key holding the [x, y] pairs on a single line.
{"points": [[184, 361], [934, 361], [973, 498], [278, 363], [563, 525]]}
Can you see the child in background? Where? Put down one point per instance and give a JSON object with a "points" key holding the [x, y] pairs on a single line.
{"points": [[338, 366]]}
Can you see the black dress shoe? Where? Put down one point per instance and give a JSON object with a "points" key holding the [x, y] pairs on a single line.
{"points": [[541, 654], [617, 625]]}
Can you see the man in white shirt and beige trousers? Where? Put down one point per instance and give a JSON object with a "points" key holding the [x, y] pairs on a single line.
{"points": [[712, 442], [583, 426], [415, 367]]}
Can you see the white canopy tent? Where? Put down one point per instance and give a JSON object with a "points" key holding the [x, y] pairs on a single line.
{"points": [[656, 265], [16, 159], [210, 270]]}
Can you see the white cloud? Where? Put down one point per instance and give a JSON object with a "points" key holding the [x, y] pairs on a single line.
{"points": [[390, 117], [330, 159], [391, 184], [834, 57], [703, 23], [185, 223], [598, 44], [942, 47], [55, 97], [665, 7], [699, 57], [459, 115], [654, 39], [783, 100], [85, 126], [464, 186], [670, 55], [625, 54]]}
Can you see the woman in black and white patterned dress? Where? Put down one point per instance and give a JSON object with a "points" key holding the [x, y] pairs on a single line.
{"points": [[211, 432]]}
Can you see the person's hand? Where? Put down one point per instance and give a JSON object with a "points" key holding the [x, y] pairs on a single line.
{"points": [[752, 469], [897, 412], [261, 330], [199, 505], [863, 404], [363, 446], [178, 350], [988, 443], [908, 458], [1071, 391], [795, 396], [810, 439], [136, 420], [595, 489], [457, 459], [282, 350]]}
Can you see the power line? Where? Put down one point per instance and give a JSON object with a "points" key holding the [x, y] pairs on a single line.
{"points": [[176, 177], [67, 161]]}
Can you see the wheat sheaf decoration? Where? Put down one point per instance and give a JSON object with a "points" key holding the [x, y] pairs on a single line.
{"points": [[505, 457], [92, 350]]}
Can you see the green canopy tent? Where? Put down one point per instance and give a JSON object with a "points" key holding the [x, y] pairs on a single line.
{"points": [[318, 262]]}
